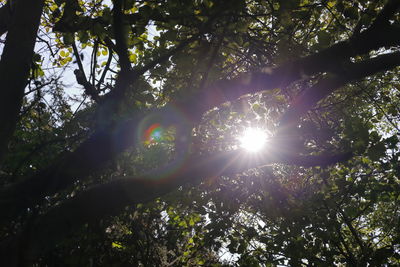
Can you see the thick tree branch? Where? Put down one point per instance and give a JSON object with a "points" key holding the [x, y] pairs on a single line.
{"points": [[5, 18], [120, 37], [212, 59], [328, 60], [350, 72], [104, 144], [387, 12], [111, 198], [124, 81], [15, 64]]}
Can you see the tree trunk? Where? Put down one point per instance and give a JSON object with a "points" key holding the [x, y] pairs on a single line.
{"points": [[15, 64]]}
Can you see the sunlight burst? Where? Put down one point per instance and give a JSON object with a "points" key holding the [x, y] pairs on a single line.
{"points": [[253, 139]]}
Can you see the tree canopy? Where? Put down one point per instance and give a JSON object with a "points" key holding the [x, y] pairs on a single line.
{"points": [[121, 127]]}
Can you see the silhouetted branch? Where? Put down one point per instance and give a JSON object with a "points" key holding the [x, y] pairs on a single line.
{"points": [[387, 12], [350, 72], [80, 75], [5, 18], [15, 64], [104, 144], [106, 68], [112, 197], [120, 38]]}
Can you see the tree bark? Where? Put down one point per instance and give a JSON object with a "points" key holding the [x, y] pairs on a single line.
{"points": [[15, 64], [111, 198], [104, 144]]}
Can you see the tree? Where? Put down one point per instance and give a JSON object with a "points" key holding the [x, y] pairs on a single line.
{"points": [[143, 167]]}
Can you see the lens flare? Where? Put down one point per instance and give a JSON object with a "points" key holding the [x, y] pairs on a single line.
{"points": [[153, 134], [253, 139], [157, 128]]}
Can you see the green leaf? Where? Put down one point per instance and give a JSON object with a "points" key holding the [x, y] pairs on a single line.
{"points": [[117, 245], [324, 38], [68, 38], [191, 222], [377, 151], [351, 12], [133, 58], [83, 36]]}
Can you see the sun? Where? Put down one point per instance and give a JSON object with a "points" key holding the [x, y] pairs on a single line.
{"points": [[253, 139]]}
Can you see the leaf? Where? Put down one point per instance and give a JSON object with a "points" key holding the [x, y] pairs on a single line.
{"points": [[351, 12], [36, 57], [324, 38], [83, 36], [377, 151], [183, 224], [68, 38], [117, 245], [191, 222], [331, 4], [133, 58]]}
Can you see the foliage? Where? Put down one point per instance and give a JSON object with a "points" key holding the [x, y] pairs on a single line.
{"points": [[125, 150]]}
